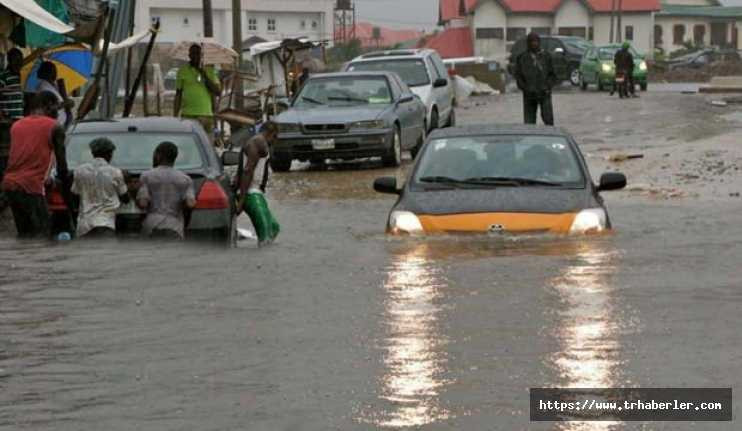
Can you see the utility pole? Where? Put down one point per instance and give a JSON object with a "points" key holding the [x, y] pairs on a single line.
{"points": [[611, 38], [208, 19], [237, 46], [620, 28]]}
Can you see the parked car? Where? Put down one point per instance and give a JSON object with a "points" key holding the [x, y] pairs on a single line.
{"points": [[702, 58], [135, 139], [500, 180], [566, 53], [426, 75], [347, 116], [597, 67]]}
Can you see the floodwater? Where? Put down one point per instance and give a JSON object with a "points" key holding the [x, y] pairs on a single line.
{"points": [[338, 327]]}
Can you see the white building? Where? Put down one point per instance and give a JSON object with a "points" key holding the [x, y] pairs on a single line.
{"points": [[701, 22], [267, 19]]}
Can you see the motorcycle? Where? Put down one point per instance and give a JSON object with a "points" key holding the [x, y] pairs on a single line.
{"points": [[622, 86]]}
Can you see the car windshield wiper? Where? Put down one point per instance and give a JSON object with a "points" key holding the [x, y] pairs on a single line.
{"points": [[309, 99], [348, 99], [516, 181]]}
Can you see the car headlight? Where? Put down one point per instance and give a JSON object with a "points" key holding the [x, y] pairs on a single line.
{"points": [[591, 220], [607, 67], [404, 222], [371, 124], [643, 66], [289, 128]]}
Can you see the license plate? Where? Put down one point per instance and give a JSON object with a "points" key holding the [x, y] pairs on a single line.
{"points": [[619, 80], [130, 208], [323, 144]]}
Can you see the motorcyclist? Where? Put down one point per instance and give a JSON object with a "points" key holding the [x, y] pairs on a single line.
{"points": [[624, 63]]}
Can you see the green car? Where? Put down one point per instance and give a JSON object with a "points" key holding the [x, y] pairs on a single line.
{"points": [[597, 67]]}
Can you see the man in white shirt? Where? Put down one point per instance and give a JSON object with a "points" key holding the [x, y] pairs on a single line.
{"points": [[102, 188], [47, 75]]}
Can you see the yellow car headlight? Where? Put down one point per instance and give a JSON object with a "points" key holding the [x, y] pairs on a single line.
{"points": [[643, 66], [591, 220], [607, 67], [404, 222]]}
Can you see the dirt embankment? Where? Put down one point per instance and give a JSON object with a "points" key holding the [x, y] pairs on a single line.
{"points": [[704, 74]]}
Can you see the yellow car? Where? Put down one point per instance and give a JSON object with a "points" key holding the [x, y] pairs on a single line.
{"points": [[500, 180]]}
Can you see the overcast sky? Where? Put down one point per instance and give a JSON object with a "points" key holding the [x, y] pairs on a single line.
{"points": [[414, 13]]}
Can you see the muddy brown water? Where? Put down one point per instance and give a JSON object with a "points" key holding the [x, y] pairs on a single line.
{"points": [[337, 326]]}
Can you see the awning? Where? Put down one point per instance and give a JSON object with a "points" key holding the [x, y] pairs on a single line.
{"points": [[126, 43], [262, 48], [31, 11]]}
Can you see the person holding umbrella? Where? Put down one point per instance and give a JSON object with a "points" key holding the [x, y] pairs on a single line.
{"points": [[196, 87]]}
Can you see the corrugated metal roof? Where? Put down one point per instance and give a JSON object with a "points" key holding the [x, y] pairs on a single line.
{"points": [[701, 11]]}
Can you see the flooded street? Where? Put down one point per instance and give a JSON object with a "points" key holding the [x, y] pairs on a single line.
{"points": [[339, 327]]}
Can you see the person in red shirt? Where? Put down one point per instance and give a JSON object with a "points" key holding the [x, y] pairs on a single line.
{"points": [[34, 140]]}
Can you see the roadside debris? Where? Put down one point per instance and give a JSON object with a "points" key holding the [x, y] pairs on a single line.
{"points": [[618, 158], [480, 88], [718, 103]]}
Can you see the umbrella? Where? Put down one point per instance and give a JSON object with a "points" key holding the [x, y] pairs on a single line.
{"points": [[74, 64], [212, 51]]}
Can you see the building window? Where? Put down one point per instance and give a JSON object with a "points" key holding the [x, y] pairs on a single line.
{"points": [[303, 24], [542, 31], [314, 25], [252, 24], [490, 33], [186, 22], [658, 35], [271, 24], [678, 34], [591, 34], [629, 30], [699, 34], [515, 33], [573, 31]]}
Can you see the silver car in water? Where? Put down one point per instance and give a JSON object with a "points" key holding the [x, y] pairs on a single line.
{"points": [[349, 116]]}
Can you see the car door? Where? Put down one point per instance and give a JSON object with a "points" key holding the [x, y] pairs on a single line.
{"points": [[558, 54], [590, 66], [402, 111], [446, 93], [439, 93], [415, 114]]}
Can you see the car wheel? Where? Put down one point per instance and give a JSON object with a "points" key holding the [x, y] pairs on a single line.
{"points": [[643, 86], [451, 119], [393, 158], [433, 120], [420, 141], [583, 83], [280, 165], [574, 77]]}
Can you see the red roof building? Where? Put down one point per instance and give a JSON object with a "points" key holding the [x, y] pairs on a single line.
{"points": [[364, 31], [494, 25], [452, 43]]}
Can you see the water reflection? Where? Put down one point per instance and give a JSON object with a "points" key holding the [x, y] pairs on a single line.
{"points": [[588, 327], [414, 361]]}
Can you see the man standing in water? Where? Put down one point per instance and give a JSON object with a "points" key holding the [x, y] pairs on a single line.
{"points": [[165, 193], [35, 141], [254, 182], [535, 76]]}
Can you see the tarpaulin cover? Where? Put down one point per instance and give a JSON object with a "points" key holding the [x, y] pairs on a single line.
{"points": [[37, 16]]}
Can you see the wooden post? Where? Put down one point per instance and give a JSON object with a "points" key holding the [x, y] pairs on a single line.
{"points": [[619, 29], [208, 19], [142, 69]]}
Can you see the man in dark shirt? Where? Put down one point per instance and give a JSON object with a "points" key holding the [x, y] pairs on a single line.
{"points": [[11, 103], [535, 76], [624, 63]]}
